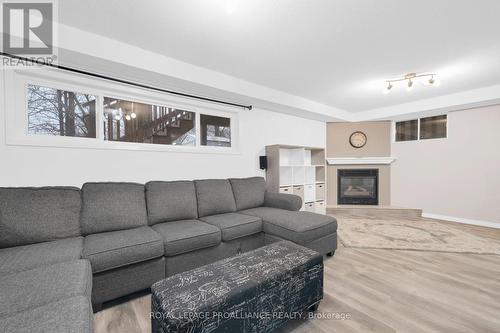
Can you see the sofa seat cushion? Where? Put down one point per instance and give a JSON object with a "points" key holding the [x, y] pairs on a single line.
{"points": [[299, 227], [114, 249], [67, 315], [29, 289], [21, 258], [234, 225], [187, 235]]}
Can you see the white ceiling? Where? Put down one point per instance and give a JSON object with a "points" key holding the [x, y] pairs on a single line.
{"points": [[335, 52]]}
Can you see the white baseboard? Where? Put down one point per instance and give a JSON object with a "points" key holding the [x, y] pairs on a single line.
{"points": [[462, 220]]}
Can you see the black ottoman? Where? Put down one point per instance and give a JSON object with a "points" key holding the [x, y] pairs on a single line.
{"points": [[253, 292]]}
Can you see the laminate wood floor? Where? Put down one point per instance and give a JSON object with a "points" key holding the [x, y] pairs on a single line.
{"points": [[374, 290]]}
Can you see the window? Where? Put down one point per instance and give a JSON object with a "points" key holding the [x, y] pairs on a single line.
{"points": [[51, 108], [145, 123], [215, 131], [433, 127], [59, 112], [406, 130], [421, 129]]}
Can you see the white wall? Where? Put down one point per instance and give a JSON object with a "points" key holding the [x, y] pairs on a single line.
{"points": [[457, 177], [37, 166]]}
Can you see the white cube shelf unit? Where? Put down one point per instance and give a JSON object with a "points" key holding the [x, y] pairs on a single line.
{"points": [[300, 171]]}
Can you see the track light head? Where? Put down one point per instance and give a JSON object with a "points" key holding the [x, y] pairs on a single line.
{"points": [[433, 82], [409, 87], [388, 88]]}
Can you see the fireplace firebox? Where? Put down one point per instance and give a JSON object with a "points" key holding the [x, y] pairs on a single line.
{"points": [[357, 187]]}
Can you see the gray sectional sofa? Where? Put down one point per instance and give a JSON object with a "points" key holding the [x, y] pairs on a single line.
{"points": [[64, 251]]}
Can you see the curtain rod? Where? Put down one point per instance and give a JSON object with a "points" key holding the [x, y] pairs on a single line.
{"points": [[140, 85]]}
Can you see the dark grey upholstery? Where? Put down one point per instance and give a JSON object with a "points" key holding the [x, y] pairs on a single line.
{"points": [[215, 196], [114, 249], [67, 315], [171, 201], [248, 192], [299, 227], [112, 206], [189, 260], [187, 235], [283, 201], [234, 225], [122, 281], [135, 236], [21, 258], [39, 286], [32, 215], [324, 245]]}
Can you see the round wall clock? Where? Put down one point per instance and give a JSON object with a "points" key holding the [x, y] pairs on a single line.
{"points": [[357, 139]]}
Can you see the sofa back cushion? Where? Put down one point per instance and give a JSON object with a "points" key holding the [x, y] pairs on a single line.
{"points": [[112, 206], [31, 215], [248, 192], [215, 196], [171, 201]]}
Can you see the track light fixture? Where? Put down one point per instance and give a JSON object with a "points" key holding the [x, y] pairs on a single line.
{"points": [[410, 79]]}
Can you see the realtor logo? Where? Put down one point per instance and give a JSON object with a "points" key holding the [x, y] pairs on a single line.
{"points": [[28, 28]]}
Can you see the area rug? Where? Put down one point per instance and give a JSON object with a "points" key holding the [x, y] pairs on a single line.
{"points": [[411, 234]]}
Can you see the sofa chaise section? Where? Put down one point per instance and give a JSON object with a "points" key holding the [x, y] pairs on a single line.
{"points": [[118, 241], [20, 258], [281, 218], [318, 232], [72, 314], [38, 227], [34, 215], [33, 288], [44, 285]]}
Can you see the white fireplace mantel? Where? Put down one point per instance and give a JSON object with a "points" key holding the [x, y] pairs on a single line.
{"points": [[359, 160]]}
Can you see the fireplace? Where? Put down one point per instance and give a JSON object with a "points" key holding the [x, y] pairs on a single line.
{"points": [[357, 187]]}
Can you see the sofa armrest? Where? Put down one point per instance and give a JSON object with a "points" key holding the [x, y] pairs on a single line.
{"points": [[283, 201]]}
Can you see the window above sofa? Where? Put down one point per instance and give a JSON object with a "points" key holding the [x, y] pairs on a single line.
{"points": [[49, 108]]}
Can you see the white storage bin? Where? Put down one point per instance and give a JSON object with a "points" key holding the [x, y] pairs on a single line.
{"points": [[309, 193], [286, 189], [298, 190], [320, 207], [320, 192], [310, 207]]}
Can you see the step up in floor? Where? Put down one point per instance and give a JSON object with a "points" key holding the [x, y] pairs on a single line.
{"points": [[373, 211]]}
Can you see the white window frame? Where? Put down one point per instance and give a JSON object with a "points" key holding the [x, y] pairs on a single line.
{"points": [[393, 129], [15, 82]]}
